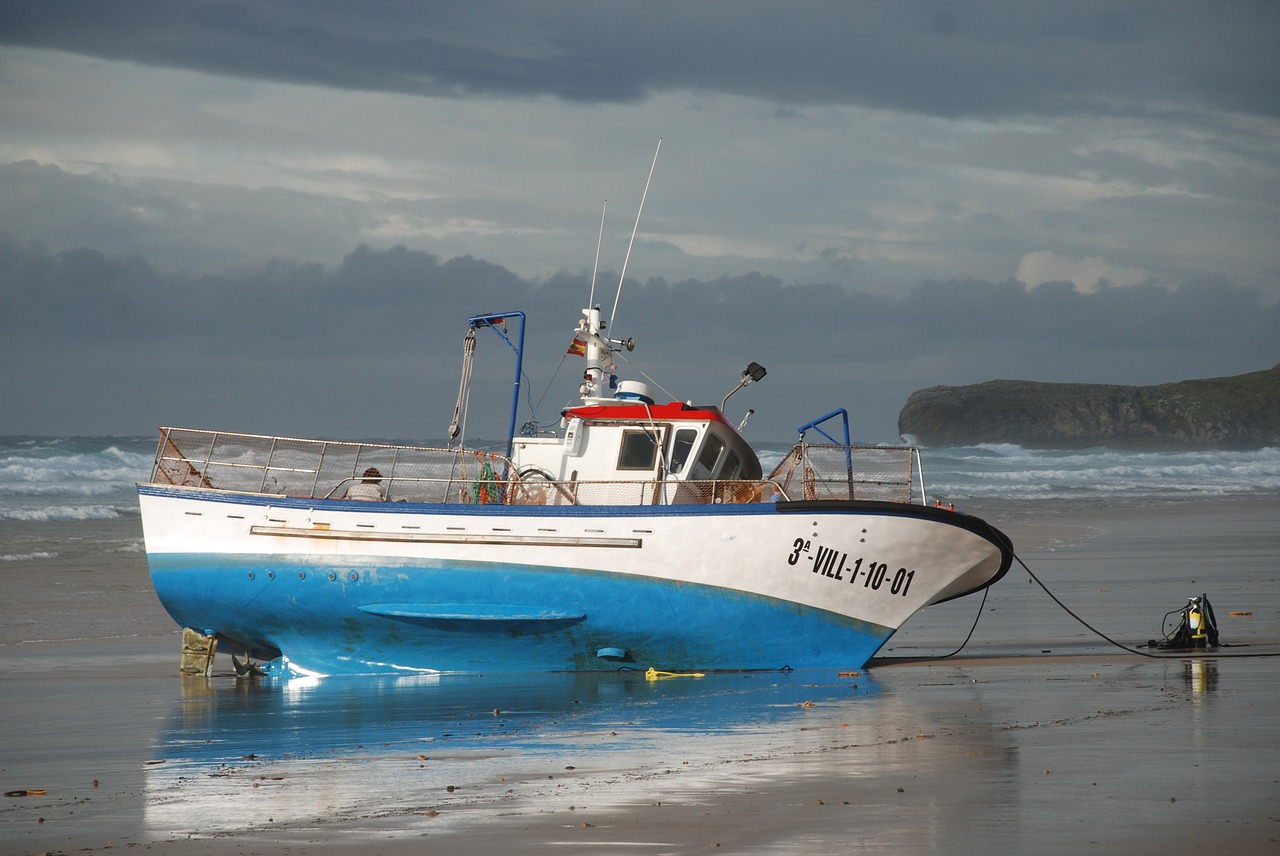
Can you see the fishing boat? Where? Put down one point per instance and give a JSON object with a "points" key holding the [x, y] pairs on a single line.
{"points": [[639, 532]]}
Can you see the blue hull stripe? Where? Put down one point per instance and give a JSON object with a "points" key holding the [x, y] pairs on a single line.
{"points": [[341, 617]]}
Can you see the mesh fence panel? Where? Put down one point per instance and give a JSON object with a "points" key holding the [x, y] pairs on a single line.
{"points": [[815, 471], [327, 469]]}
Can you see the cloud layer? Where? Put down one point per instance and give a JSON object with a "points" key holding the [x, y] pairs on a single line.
{"points": [[372, 346], [276, 214]]}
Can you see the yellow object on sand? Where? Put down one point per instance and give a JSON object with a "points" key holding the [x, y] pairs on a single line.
{"points": [[653, 674]]}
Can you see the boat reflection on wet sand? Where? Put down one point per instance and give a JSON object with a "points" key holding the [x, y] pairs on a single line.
{"points": [[426, 754]]}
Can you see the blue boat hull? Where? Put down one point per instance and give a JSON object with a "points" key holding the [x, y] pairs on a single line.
{"points": [[370, 614]]}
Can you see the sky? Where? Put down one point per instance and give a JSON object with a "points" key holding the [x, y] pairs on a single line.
{"points": [[276, 217]]}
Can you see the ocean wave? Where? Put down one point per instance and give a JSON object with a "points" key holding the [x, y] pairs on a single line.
{"points": [[70, 478], [27, 557], [1012, 471], [36, 488], [80, 478], [61, 513]]}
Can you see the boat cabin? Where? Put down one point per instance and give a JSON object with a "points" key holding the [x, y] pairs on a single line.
{"points": [[629, 440]]}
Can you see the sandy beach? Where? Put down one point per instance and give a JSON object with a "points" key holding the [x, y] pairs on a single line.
{"points": [[1038, 737]]}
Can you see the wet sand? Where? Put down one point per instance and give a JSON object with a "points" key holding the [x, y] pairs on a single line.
{"points": [[1038, 737]]}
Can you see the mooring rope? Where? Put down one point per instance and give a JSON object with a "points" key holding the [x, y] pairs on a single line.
{"points": [[1172, 655]]}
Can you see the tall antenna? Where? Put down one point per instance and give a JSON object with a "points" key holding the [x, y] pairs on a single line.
{"points": [[634, 229], [591, 301]]}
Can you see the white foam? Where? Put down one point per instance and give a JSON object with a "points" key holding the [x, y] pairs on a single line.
{"points": [[88, 478], [60, 512], [1014, 472]]}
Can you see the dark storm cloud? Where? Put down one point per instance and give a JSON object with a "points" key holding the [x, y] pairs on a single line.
{"points": [[174, 224], [371, 347], [973, 59]]}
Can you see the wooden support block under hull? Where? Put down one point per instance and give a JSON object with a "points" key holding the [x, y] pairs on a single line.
{"points": [[198, 651]]}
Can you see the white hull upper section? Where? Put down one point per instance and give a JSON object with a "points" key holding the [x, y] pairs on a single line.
{"points": [[842, 560]]}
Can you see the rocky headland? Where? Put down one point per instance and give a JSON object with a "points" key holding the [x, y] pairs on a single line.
{"points": [[1230, 413]]}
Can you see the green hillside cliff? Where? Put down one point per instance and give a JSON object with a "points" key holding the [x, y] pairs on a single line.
{"points": [[1240, 412]]}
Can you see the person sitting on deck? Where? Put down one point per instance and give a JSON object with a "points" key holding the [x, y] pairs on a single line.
{"points": [[370, 489]]}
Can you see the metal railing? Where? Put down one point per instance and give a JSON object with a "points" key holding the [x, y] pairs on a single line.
{"points": [[839, 471], [327, 469]]}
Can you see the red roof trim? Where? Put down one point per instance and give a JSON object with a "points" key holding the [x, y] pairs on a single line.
{"points": [[675, 411]]}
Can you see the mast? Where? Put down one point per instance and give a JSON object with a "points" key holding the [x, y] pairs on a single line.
{"points": [[613, 315], [595, 271], [598, 380]]}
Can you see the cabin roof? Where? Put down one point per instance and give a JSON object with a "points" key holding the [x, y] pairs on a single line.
{"points": [[675, 411]]}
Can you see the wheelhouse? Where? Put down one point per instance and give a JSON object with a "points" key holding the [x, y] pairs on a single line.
{"points": [[643, 442]]}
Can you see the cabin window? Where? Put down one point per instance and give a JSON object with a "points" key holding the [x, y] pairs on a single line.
{"points": [[681, 448], [731, 467], [710, 453], [638, 452]]}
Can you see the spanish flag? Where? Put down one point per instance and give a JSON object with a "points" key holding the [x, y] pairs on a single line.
{"points": [[578, 348]]}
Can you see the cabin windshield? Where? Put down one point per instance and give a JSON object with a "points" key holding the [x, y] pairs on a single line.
{"points": [[723, 455], [707, 458], [731, 466], [681, 449]]}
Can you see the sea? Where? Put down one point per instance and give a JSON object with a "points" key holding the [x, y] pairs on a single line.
{"points": [[71, 480]]}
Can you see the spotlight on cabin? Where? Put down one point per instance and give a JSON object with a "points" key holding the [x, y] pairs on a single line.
{"points": [[750, 374]]}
